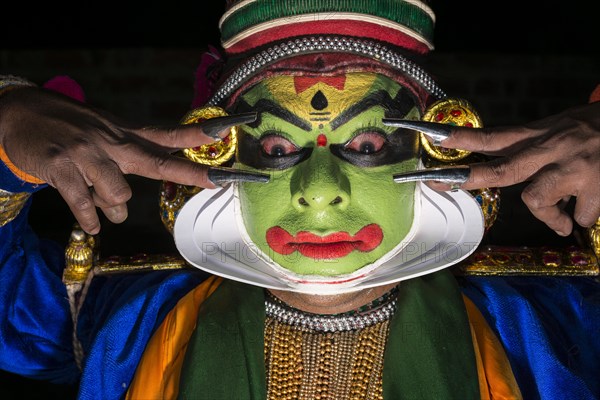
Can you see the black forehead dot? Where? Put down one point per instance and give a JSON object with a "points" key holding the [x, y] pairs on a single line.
{"points": [[319, 101]]}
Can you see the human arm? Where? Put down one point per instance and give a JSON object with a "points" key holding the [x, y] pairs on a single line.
{"points": [[559, 157], [42, 135], [36, 328], [85, 152]]}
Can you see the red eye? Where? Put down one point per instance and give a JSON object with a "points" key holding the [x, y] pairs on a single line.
{"points": [[366, 143], [277, 146]]}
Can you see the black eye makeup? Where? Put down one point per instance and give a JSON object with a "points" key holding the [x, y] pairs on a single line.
{"points": [[277, 146], [373, 148], [367, 142], [370, 148], [270, 151]]}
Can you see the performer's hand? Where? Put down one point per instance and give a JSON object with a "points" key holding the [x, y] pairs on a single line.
{"points": [[558, 156], [84, 152]]}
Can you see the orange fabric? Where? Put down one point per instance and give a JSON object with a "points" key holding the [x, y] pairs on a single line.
{"points": [[496, 379], [24, 176], [157, 374]]}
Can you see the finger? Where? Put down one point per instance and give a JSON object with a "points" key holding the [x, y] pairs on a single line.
{"points": [[499, 172], [75, 192], [163, 166], [115, 214], [110, 189], [218, 128], [108, 182], [173, 138], [545, 196], [192, 135], [505, 171], [587, 208], [553, 215], [490, 141], [555, 218]]}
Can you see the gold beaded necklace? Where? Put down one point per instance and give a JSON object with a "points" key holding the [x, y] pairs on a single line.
{"points": [[310, 356]]}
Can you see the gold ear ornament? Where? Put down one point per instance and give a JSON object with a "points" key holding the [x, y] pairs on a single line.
{"points": [[173, 196], [460, 112], [212, 154], [451, 111]]}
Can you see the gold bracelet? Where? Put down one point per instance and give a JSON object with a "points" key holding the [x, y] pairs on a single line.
{"points": [[11, 205]]}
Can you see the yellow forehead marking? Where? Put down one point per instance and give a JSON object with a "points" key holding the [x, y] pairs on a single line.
{"points": [[301, 96]]}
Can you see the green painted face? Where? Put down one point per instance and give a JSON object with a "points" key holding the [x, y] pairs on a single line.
{"points": [[332, 206]]}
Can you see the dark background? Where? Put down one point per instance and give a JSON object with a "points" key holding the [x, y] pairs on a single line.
{"points": [[516, 64], [509, 26]]}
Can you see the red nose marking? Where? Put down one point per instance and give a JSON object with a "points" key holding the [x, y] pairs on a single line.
{"points": [[321, 140]]}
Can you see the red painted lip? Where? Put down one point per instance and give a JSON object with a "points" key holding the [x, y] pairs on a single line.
{"points": [[335, 245]]}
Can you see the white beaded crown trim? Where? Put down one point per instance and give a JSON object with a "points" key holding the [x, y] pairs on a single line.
{"points": [[313, 44]]}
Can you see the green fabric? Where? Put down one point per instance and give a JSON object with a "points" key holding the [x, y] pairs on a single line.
{"points": [[429, 354], [262, 11], [225, 356]]}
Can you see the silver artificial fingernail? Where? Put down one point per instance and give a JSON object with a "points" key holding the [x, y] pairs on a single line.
{"points": [[437, 132], [454, 176], [222, 176], [214, 126]]}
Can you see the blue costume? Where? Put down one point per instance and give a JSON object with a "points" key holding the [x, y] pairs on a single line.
{"points": [[547, 325]]}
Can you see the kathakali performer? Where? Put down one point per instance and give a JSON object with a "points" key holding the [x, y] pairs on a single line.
{"points": [[322, 269]]}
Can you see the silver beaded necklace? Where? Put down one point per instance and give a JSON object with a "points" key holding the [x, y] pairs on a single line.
{"points": [[378, 311]]}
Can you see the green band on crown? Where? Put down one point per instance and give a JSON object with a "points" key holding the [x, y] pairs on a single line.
{"points": [[260, 11]]}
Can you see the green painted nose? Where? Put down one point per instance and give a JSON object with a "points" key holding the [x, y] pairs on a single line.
{"points": [[319, 185]]}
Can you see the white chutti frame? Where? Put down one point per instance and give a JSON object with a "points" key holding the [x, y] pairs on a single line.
{"points": [[209, 235]]}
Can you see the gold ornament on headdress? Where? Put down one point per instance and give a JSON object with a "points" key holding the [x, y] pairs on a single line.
{"points": [[451, 111], [173, 196]]}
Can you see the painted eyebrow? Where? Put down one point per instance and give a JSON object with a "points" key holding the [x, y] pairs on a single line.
{"points": [[268, 106], [380, 97]]}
